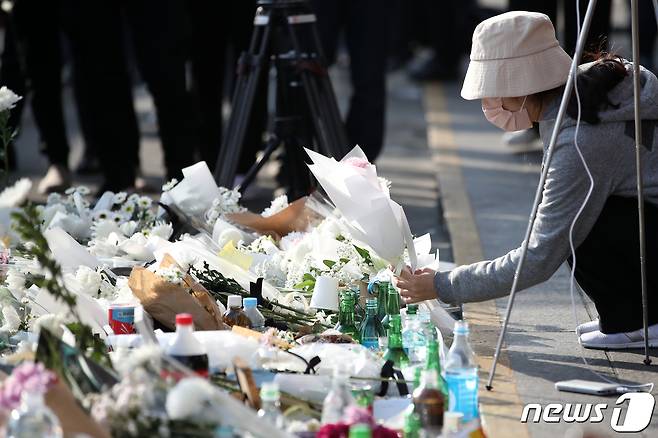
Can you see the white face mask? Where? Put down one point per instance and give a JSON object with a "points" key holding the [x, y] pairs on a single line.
{"points": [[505, 119]]}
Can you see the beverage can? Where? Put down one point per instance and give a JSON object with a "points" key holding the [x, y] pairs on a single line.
{"points": [[121, 318]]}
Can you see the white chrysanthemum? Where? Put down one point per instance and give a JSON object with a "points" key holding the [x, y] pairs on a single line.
{"points": [[128, 208], [144, 202], [171, 275], [119, 198], [101, 215], [51, 322], [103, 228], [87, 281], [128, 228], [103, 247], [117, 218], [83, 190], [15, 282], [17, 194], [54, 198], [133, 198], [189, 398], [8, 99], [162, 230], [279, 203], [10, 320]]}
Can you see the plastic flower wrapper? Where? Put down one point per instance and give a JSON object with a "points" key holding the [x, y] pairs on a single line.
{"points": [[373, 218]]}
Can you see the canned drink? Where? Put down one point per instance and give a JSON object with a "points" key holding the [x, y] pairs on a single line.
{"points": [[121, 318]]}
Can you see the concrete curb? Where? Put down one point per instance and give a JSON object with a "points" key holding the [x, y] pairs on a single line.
{"points": [[500, 408]]}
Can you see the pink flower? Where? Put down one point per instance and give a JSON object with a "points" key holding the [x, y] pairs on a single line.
{"points": [[29, 376], [357, 162]]}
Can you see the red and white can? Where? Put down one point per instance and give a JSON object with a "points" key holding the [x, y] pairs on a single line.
{"points": [[121, 318]]}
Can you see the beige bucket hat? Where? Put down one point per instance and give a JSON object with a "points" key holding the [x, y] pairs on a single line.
{"points": [[515, 54]]}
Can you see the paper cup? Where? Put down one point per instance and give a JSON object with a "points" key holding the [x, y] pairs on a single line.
{"points": [[325, 293]]}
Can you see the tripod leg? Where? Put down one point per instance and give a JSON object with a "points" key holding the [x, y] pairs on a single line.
{"points": [[242, 104], [270, 147]]}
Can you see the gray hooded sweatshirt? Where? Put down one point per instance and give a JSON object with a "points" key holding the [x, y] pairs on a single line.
{"points": [[609, 151]]}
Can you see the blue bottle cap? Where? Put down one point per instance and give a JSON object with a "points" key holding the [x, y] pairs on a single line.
{"points": [[249, 302]]}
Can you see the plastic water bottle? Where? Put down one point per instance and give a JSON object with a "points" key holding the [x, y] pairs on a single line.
{"points": [[33, 419], [461, 374], [413, 336], [270, 405], [338, 400], [257, 319], [187, 349]]}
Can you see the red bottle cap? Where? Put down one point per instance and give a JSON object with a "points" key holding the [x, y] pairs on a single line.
{"points": [[183, 319]]}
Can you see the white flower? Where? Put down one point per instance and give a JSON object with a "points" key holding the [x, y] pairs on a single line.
{"points": [[101, 215], [51, 322], [291, 239], [117, 218], [136, 247], [8, 99], [54, 198], [162, 230], [119, 198], [11, 319], [17, 194], [133, 198], [87, 281], [15, 281], [279, 203], [169, 185], [128, 228], [103, 228], [104, 247], [83, 190], [128, 208], [172, 275], [144, 202], [189, 398]]}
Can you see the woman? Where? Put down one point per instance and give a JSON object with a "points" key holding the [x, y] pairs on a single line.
{"points": [[518, 69]]}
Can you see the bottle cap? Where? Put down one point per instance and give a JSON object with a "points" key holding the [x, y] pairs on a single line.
{"points": [[452, 420], [183, 319], [371, 302], [360, 431], [461, 327], [250, 302], [412, 309], [234, 301], [269, 391]]}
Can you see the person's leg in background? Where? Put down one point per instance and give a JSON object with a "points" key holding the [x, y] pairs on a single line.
{"points": [[367, 46], [96, 35], [647, 16], [160, 52], [12, 75], [608, 269]]}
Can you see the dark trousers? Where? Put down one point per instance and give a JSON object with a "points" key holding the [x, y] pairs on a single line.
{"points": [[365, 26], [608, 266], [31, 67]]}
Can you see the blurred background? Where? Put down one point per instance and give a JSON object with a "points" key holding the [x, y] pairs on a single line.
{"points": [[122, 94]]}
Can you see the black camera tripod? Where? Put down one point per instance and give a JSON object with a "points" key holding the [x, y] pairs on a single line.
{"points": [[286, 37]]}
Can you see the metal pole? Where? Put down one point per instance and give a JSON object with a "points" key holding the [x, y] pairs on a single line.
{"points": [[542, 180], [640, 183]]}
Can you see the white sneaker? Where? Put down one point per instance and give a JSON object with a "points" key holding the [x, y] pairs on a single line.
{"points": [[57, 179], [619, 341], [587, 327]]}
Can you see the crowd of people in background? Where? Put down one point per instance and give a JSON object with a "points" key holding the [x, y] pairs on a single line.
{"points": [[184, 52]]}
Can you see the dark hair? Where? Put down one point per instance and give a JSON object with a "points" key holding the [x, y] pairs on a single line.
{"points": [[594, 84]]}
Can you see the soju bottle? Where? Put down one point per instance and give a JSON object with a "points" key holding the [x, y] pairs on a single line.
{"points": [[429, 403], [413, 336], [395, 352], [371, 328], [346, 322], [392, 305], [382, 294], [412, 425], [433, 362]]}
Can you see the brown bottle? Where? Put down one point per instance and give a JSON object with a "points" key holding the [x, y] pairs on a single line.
{"points": [[429, 403], [234, 315]]}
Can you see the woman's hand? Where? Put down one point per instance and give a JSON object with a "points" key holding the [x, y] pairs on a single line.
{"points": [[416, 286]]}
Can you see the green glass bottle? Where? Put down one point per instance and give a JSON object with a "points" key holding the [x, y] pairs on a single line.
{"points": [[433, 362], [392, 305], [395, 352], [382, 294], [371, 328], [346, 322], [412, 425]]}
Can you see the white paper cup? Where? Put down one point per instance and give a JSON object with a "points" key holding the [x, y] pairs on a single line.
{"points": [[325, 293]]}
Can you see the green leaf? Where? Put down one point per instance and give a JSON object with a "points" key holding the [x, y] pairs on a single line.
{"points": [[330, 263], [365, 255]]}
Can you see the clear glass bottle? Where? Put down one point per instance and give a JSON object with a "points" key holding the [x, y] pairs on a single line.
{"points": [[255, 317], [461, 374], [371, 328], [338, 400], [33, 418], [429, 403], [271, 405], [413, 336], [346, 322], [394, 351], [234, 314], [186, 348]]}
